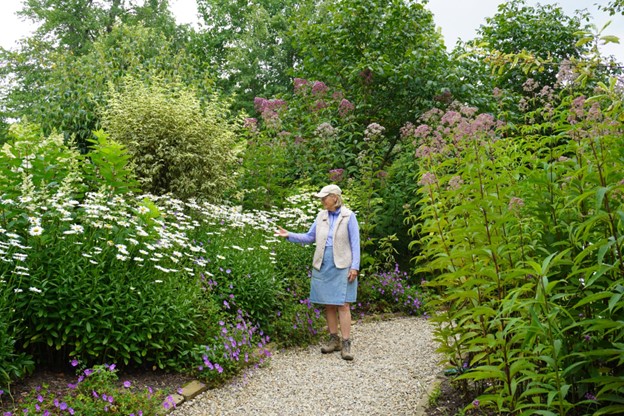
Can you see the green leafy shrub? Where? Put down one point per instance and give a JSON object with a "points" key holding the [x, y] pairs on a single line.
{"points": [[110, 165], [263, 180], [13, 364], [177, 145]]}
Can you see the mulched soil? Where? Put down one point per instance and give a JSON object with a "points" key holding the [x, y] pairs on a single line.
{"points": [[449, 402], [57, 382], [452, 400]]}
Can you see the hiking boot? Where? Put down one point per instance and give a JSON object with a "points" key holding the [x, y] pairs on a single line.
{"points": [[346, 350], [332, 345]]}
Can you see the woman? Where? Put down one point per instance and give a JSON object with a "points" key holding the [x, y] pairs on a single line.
{"points": [[335, 265]]}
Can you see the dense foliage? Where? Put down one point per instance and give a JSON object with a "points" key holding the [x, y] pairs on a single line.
{"points": [[544, 31], [145, 167], [386, 55], [521, 226], [177, 146]]}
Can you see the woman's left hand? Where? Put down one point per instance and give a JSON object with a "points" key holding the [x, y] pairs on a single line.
{"points": [[352, 275]]}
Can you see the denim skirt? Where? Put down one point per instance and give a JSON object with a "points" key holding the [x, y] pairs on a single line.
{"points": [[330, 285]]}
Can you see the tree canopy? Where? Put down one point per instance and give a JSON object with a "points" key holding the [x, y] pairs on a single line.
{"points": [[386, 54], [544, 31]]}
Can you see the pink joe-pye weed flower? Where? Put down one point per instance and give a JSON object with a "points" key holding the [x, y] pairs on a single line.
{"points": [[428, 178], [515, 203], [345, 107]]}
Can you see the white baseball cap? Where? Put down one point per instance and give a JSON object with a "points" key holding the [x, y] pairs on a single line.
{"points": [[329, 189]]}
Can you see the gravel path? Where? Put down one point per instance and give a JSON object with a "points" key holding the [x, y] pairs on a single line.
{"points": [[395, 363]]}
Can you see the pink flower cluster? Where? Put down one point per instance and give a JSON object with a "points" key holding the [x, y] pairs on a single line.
{"points": [[515, 203], [374, 130], [345, 107], [269, 110], [262, 104], [251, 124], [326, 131], [319, 88], [299, 84], [445, 132], [336, 175], [428, 178]]}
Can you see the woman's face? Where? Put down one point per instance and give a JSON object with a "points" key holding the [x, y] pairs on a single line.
{"points": [[329, 202]]}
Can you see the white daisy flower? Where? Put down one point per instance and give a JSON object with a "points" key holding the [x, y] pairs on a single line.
{"points": [[36, 230], [77, 228]]}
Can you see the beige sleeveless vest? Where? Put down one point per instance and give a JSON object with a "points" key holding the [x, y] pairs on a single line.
{"points": [[342, 246]]}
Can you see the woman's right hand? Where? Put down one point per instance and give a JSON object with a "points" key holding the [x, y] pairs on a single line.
{"points": [[281, 232]]}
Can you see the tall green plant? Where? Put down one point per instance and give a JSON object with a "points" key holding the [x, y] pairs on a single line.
{"points": [[515, 221]]}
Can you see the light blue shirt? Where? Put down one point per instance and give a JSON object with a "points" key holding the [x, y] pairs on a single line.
{"points": [[354, 236]]}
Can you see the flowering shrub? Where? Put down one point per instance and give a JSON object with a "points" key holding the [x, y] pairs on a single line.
{"points": [[307, 134], [519, 229], [120, 278], [390, 291], [234, 347]]}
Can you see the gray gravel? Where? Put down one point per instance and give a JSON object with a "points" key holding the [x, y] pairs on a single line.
{"points": [[395, 364]]}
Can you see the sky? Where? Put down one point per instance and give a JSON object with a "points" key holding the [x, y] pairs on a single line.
{"points": [[457, 19]]}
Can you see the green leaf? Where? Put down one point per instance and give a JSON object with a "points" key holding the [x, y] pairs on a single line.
{"points": [[593, 298], [614, 301], [600, 194], [610, 39]]}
